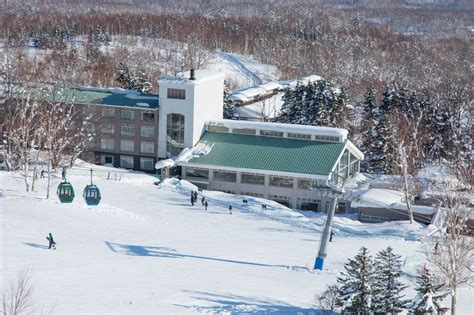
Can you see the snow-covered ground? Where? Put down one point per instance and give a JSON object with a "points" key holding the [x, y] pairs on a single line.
{"points": [[145, 249]]}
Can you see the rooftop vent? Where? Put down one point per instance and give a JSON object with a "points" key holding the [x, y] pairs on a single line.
{"points": [[192, 75]]}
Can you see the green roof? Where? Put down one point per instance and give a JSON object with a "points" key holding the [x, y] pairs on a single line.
{"points": [[128, 99], [93, 96], [269, 153]]}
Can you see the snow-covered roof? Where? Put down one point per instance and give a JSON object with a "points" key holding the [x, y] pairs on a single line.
{"points": [[200, 75], [250, 93], [390, 199], [311, 130]]}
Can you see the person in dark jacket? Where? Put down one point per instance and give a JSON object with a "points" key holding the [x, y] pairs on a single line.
{"points": [[331, 235], [206, 204], [202, 200], [52, 243], [230, 209], [192, 200], [195, 196]]}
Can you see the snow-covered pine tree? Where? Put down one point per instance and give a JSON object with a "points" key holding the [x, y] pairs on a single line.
{"points": [[292, 102], [368, 131], [140, 83], [427, 301], [387, 287], [437, 127], [229, 106], [356, 292], [123, 76]]}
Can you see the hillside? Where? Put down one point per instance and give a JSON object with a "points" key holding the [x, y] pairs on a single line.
{"points": [[146, 249]]}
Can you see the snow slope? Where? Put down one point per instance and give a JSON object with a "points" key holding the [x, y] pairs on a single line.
{"points": [[145, 249]]}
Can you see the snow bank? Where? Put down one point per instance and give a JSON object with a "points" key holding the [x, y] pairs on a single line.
{"points": [[178, 185]]}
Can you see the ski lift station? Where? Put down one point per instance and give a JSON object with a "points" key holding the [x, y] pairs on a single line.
{"points": [[180, 132]]}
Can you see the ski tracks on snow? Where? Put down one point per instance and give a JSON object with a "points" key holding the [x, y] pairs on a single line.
{"points": [[240, 66]]}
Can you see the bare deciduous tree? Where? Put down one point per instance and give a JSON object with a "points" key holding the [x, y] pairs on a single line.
{"points": [[453, 253], [18, 296], [327, 300]]}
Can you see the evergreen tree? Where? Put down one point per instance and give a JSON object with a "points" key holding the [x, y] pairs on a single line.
{"points": [[356, 292], [141, 84], [314, 103], [229, 107], [368, 131], [437, 127], [387, 288], [124, 77], [428, 298]]}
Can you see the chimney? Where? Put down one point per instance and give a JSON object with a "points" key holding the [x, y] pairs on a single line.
{"points": [[192, 75]]}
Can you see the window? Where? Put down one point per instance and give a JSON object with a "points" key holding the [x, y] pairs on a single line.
{"points": [[174, 134], [196, 172], [326, 138], [284, 200], [108, 128], [147, 131], [252, 194], [127, 145], [107, 144], [126, 161], [308, 204], [225, 176], [147, 164], [310, 184], [341, 207], [90, 127], [148, 116], [147, 147], [253, 179], [298, 136], [217, 128], [108, 112], [244, 131], [281, 181], [271, 133], [127, 130], [128, 115], [179, 94]]}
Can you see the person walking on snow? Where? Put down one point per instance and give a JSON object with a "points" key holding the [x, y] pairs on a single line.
{"points": [[206, 204], [202, 200], [230, 209], [331, 235], [42, 174], [195, 196], [52, 243], [192, 200]]}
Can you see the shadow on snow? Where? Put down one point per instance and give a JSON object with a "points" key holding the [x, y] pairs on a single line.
{"points": [[164, 252]]}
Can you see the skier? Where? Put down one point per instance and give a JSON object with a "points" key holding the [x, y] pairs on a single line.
{"points": [[192, 200], [230, 209], [52, 243], [206, 204], [331, 235], [202, 200]]}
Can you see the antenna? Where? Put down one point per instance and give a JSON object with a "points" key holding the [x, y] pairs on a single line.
{"points": [[91, 177]]}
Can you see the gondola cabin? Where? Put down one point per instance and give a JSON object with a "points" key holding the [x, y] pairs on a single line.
{"points": [[65, 192], [92, 195]]}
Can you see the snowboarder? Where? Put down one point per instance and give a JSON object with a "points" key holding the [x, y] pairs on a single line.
{"points": [[192, 200], [52, 243], [42, 174], [331, 235], [202, 200], [230, 209], [205, 204]]}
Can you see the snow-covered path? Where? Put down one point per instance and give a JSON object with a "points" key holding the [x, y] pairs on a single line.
{"points": [[240, 66], [146, 249]]}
